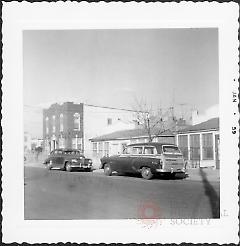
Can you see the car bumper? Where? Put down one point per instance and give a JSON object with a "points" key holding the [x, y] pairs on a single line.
{"points": [[171, 170], [81, 166]]}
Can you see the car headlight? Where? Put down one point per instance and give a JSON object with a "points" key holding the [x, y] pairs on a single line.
{"points": [[90, 161], [74, 160]]}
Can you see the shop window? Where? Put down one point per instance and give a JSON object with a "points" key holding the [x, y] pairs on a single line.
{"points": [[76, 121], [207, 145]]}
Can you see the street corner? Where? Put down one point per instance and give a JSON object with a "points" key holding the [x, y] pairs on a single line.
{"points": [[149, 214]]}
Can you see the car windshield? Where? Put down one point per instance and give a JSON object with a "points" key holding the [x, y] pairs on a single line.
{"points": [[71, 152], [171, 149]]}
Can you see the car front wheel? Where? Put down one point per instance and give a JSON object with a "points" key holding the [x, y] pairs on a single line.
{"points": [[49, 165], [68, 167], [146, 173], [107, 170]]}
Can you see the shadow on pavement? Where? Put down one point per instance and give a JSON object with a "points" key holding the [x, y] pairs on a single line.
{"points": [[211, 194], [155, 177]]}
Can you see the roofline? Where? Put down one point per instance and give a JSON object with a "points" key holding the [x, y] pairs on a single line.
{"points": [[144, 136], [96, 106], [200, 130], [152, 143]]}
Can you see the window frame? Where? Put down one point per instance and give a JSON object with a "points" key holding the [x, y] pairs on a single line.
{"points": [[61, 123], [150, 147], [47, 125], [53, 123], [137, 147], [77, 116], [206, 147]]}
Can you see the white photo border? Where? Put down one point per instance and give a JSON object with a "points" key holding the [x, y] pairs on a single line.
{"points": [[56, 16]]}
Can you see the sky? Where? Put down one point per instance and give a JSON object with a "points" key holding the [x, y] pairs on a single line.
{"points": [[114, 68]]}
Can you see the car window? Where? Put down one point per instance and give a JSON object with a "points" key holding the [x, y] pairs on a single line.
{"points": [[137, 150], [171, 149], [71, 152], [127, 150], [150, 151], [58, 152]]}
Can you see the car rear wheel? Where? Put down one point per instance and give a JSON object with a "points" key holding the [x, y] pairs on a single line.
{"points": [[107, 170], [146, 173], [68, 167]]}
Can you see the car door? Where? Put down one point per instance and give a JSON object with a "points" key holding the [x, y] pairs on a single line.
{"points": [[130, 166], [121, 162], [52, 158], [146, 159], [59, 158]]}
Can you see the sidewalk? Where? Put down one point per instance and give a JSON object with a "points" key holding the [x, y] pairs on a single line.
{"points": [[211, 174], [33, 164]]}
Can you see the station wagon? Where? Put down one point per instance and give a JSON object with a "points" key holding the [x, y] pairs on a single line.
{"points": [[147, 159]]}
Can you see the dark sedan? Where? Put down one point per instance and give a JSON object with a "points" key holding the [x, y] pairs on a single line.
{"points": [[147, 159], [68, 159]]}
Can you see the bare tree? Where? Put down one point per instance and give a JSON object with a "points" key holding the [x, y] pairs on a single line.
{"points": [[153, 121]]}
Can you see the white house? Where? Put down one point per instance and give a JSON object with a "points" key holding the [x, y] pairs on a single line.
{"points": [[99, 121], [200, 144]]}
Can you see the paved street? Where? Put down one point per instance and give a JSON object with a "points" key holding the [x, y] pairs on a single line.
{"points": [[80, 195]]}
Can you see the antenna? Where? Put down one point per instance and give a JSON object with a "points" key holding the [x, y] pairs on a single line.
{"points": [[181, 106], [173, 102]]}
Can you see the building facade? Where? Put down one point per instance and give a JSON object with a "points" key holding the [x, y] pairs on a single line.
{"points": [[71, 125], [63, 126], [200, 144]]}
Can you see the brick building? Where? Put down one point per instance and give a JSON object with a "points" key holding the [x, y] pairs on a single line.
{"points": [[63, 126], [70, 125]]}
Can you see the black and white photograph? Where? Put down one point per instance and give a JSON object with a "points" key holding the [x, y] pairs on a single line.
{"points": [[129, 101], [123, 123]]}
